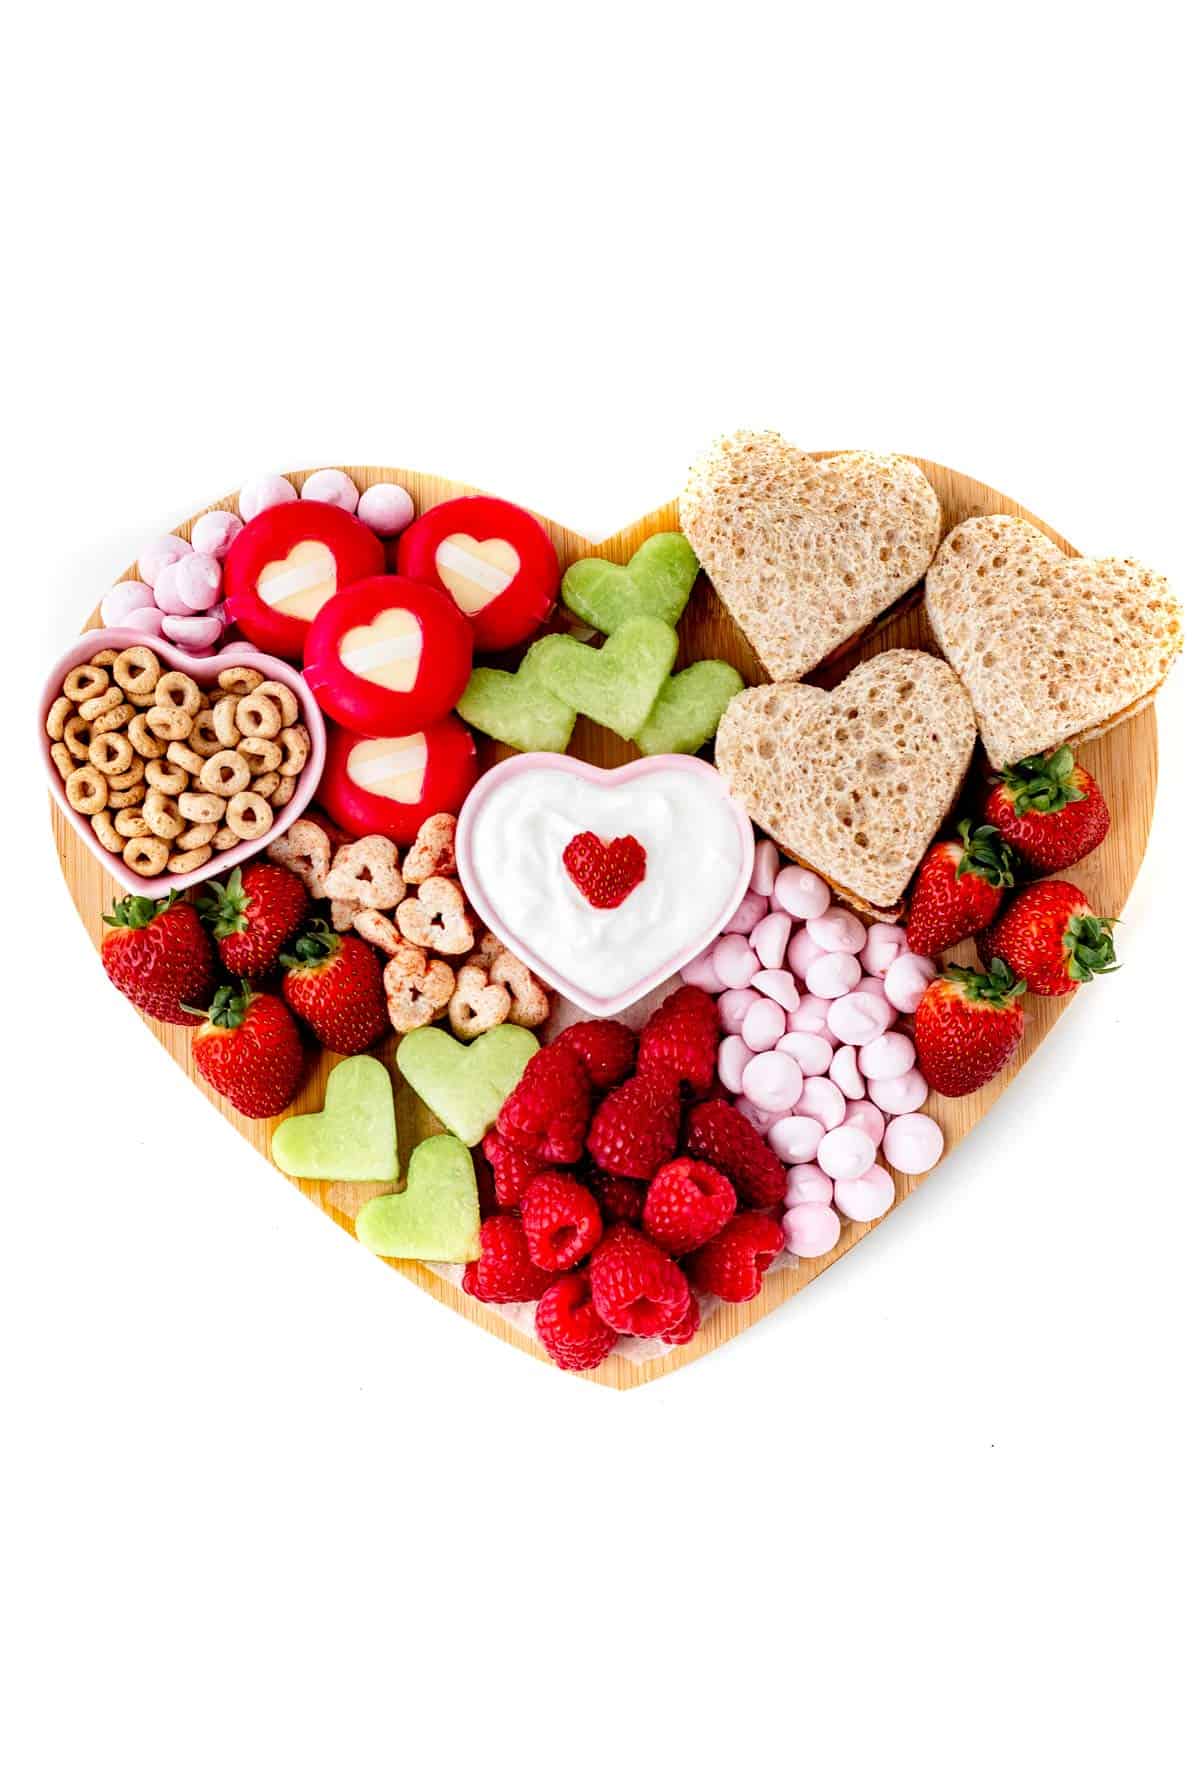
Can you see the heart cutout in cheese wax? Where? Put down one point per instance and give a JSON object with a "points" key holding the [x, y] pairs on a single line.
{"points": [[302, 582], [699, 849], [435, 1217], [1123, 761], [385, 652], [394, 768], [474, 572]]}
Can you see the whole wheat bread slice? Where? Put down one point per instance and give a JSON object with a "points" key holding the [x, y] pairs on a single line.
{"points": [[1051, 648], [853, 782], [806, 553]]}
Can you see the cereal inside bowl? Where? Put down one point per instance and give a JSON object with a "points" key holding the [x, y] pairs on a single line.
{"points": [[168, 764]]}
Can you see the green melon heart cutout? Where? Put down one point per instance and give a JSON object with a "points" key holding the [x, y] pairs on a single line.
{"points": [[465, 1083], [353, 1138], [657, 582], [517, 708], [688, 709], [617, 684], [435, 1217]]}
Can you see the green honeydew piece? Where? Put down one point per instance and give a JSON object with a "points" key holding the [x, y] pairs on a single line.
{"points": [[353, 1137], [465, 1083], [617, 684], [517, 708], [435, 1217], [656, 583], [689, 708]]}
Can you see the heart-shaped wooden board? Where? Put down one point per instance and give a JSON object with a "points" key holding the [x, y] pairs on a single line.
{"points": [[1124, 762]]}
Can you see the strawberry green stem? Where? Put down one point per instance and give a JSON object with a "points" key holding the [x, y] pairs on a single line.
{"points": [[1042, 784]]}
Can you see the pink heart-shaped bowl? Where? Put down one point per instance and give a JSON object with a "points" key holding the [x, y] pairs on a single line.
{"points": [[204, 670], [699, 844]]}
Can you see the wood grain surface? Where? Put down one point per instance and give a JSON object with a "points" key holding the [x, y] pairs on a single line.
{"points": [[1123, 761]]}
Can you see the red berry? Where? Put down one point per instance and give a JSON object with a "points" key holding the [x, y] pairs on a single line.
{"points": [[504, 1271], [620, 1199], [732, 1264], [546, 1113], [561, 1221], [636, 1128], [1049, 809], [512, 1170], [159, 955], [688, 1326], [253, 914], [719, 1133], [334, 981], [249, 1050], [637, 1289], [568, 1325], [1049, 935], [605, 1047], [966, 1027], [958, 890], [605, 874], [681, 1038], [686, 1204]]}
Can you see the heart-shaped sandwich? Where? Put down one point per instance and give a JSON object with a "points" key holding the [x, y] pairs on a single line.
{"points": [[853, 782], [1050, 647], [806, 552]]}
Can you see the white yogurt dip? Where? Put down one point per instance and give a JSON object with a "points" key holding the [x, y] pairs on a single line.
{"points": [[694, 855]]}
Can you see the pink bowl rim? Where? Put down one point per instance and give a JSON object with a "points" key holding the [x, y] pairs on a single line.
{"points": [[557, 761], [203, 669]]}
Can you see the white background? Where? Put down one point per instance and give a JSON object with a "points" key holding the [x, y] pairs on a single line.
{"points": [[269, 1507]]}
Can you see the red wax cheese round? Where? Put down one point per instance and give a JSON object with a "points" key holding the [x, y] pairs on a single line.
{"points": [[391, 785], [388, 656], [496, 562], [285, 566]]}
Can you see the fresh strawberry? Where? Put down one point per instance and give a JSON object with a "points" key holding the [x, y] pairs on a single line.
{"points": [[605, 1047], [605, 873], [680, 1037], [688, 1326], [636, 1288], [966, 1027], [249, 1050], [1049, 934], [546, 1113], [561, 1221], [334, 981], [687, 1203], [959, 888], [158, 954], [1049, 809], [568, 1325], [512, 1170], [732, 1265], [253, 915], [719, 1133], [620, 1199], [636, 1128], [504, 1271]]}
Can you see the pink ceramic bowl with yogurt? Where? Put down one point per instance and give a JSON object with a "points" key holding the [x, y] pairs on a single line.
{"points": [[699, 844], [204, 670]]}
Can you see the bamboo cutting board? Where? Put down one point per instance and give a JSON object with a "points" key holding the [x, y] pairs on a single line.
{"points": [[1124, 762]]}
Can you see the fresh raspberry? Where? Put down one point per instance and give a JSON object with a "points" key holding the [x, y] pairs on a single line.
{"points": [[635, 1286], [504, 1271], [620, 1199], [605, 1048], [561, 1221], [569, 1326], [719, 1133], [731, 1265], [686, 1204], [636, 1128], [681, 1038], [688, 1326], [605, 874], [546, 1113], [512, 1170]]}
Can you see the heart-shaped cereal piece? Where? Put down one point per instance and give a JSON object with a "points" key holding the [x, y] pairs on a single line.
{"points": [[689, 708], [353, 1138], [367, 871], [1050, 647], [617, 684], [853, 782], [806, 552], [437, 918], [465, 1085], [517, 708], [657, 583], [435, 1217]]}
